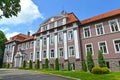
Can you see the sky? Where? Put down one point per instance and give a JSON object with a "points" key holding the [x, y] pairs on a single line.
{"points": [[34, 12]]}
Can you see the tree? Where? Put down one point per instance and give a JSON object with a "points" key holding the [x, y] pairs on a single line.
{"points": [[69, 66], [56, 64], [90, 63], [84, 66], [9, 8], [24, 64], [30, 64], [101, 60], [46, 64], [38, 64], [3, 39]]}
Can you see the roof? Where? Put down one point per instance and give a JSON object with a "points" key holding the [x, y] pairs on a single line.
{"points": [[28, 39], [102, 16], [20, 37]]}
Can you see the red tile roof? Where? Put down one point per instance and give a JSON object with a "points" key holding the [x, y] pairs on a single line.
{"points": [[28, 39], [71, 18], [102, 16]]}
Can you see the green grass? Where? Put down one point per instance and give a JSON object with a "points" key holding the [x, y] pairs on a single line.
{"points": [[83, 75]]}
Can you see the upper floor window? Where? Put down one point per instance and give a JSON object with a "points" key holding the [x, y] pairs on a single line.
{"points": [[61, 52], [37, 55], [37, 43], [117, 45], [60, 37], [114, 26], [31, 56], [59, 22], [103, 47], [52, 54], [89, 47], [44, 54], [70, 35], [44, 28], [99, 29], [27, 45], [51, 25], [87, 32], [31, 44], [44, 41], [71, 51], [51, 38]]}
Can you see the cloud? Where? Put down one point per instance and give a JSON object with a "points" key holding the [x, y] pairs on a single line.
{"points": [[8, 35], [4, 29], [29, 12]]}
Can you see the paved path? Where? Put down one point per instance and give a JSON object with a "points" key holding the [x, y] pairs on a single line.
{"points": [[14, 74]]}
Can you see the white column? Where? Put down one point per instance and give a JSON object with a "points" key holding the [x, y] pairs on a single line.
{"points": [[77, 53], [48, 47], [34, 50], [13, 48], [65, 46], [56, 47], [40, 56]]}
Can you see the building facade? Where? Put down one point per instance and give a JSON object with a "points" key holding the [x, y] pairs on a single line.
{"points": [[67, 38]]}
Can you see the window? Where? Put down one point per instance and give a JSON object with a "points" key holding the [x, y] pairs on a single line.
{"points": [[37, 43], [51, 66], [108, 65], [44, 28], [99, 29], [103, 47], [72, 66], [27, 45], [44, 41], [60, 37], [71, 51], [37, 55], [114, 26], [52, 53], [52, 39], [31, 56], [86, 32], [61, 65], [117, 45], [25, 56], [61, 52], [70, 35], [44, 54], [51, 25], [59, 23], [31, 44], [89, 47]]}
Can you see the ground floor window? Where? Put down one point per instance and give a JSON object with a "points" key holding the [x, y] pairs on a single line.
{"points": [[51, 66], [108, 65], [72, 66], [61, 65], [119, 63], [43, 66]]}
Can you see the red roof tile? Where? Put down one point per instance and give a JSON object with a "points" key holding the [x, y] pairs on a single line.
{"points": [[71, 18]]}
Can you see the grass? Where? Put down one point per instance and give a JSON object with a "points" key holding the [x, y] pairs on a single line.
{"points": [[83, 75]]}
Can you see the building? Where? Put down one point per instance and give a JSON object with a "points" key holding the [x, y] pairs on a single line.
{"points": [[67, 38]]}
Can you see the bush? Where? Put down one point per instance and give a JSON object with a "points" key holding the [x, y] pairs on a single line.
{"points": [[99, 70], [30, 64], [46, 64], [69, 66], [38, 64], [56, 64], [8, 65], [105, 70], [24, 64], [84, 66]]}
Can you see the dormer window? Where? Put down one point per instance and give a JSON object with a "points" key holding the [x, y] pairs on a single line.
{"points": [[51, 25], [44, 28], [59, 22]]}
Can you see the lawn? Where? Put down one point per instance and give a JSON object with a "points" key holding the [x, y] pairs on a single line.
{"points": [[83, 75]]}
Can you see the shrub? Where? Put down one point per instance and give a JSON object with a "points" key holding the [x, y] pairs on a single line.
{"points": [[84, 66], [101, 60], [90, 63], [46, 64], [56, 64], [105, 70], [8, 65], [30, 64], [99, 70], [69, 66], [24, 64], [38, 64]]}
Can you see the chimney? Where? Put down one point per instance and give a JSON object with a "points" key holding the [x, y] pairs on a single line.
{"points": [[28, 34]]}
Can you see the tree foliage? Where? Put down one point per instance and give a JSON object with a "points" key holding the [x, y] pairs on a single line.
{"points": [[101, 60], [46, 64], [38, 64], [90, 63], [30, 64], [24, 64], [69, 66], [84, 66], [56, 64], [2, 46], [9, 8]]}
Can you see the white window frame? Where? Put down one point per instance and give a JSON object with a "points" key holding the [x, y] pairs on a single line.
{"points": [[61, 20], [105, 44], [50, 53], [53, 39], [117, 25], [52, 26], [60, 53], [31, 58], [91, 46], [60, 33], [69, 51], [37, 55], [43, 41], [84, 31], [70, 39], [43, 54], [102, 28], [115, 46]]}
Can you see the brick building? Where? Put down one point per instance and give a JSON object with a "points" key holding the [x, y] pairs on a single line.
{"points": [[67, 38]]}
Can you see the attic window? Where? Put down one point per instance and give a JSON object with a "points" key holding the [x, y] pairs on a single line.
{"points": [[52, 19], [59, 23]]}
